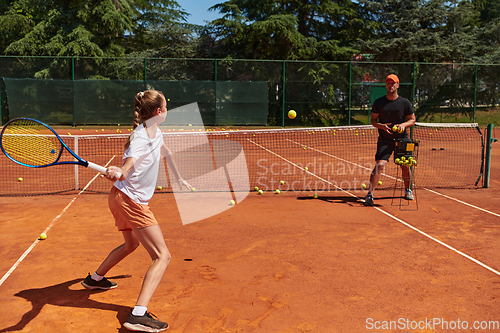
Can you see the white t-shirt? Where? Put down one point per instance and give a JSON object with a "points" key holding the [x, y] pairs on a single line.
{"points": [[141, 181]]}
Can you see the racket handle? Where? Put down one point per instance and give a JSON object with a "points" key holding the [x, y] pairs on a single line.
{"points": [[102, 169], [97, 167]]}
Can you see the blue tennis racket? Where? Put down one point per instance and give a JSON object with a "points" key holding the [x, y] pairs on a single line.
{"points": [[31, 143]]}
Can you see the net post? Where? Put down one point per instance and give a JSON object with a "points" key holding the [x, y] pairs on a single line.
{"points": [[489, 140], [284, 102]]}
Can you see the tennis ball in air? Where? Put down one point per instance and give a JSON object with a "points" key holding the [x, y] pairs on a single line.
{"points": [[43, 236], [380, 182], [363, 185], [282, 182], [232, 202], [278, 191], [292, 114], [20, 179], [260, 191]]}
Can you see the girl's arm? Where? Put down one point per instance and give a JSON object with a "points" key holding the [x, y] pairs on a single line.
{"points": [[165, 152]]}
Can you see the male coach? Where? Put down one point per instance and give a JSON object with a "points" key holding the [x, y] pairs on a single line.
{"points": [[389, 111]]}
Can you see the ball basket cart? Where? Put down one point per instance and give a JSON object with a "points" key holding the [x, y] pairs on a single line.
{"points": [[405, 154]]}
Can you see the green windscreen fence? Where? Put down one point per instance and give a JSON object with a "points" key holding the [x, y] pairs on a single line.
{"points": [[81, 102]]}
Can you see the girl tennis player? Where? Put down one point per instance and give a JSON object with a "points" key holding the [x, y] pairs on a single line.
{"points": [[135, 182]]}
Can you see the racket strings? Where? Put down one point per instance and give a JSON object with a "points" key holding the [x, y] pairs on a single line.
{"points": [[31, 143]]}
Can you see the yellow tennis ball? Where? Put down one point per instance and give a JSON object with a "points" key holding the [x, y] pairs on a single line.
{"points": [[256, 188], [363, 185], [282, 182], [260, 191], [43, 236], [315, 196], [159, 188], [20, 179], [380, 182], [232, 202], [278, 191], [193, 189], [292, 114], [394, 128], [306, 168]]}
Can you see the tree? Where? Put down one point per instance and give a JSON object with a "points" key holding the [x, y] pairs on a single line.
{"points": [[70, 28], [271, 29], [419, 30], [92, 28]]}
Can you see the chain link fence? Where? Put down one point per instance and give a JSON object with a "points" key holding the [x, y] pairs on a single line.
{"points": [[86, 91]]}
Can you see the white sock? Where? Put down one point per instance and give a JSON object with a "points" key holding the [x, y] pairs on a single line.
{"points": [[96, 277], [139, 310]]}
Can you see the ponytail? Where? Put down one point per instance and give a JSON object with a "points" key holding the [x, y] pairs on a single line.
{"points": [[145, 104]]}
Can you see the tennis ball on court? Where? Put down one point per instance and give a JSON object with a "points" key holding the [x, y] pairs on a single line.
{"points": [[232, 202], [363, 185], [306, 168], [193, 189], [315, 196], [43, 236], [256, 188], [282, 182], [292, 114], [20, 179], [278, 191], [380, 182], [260, 191], [394, 128], [159, 188]]}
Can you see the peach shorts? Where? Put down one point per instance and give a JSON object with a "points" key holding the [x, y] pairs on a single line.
{"points": [[127, 213]]}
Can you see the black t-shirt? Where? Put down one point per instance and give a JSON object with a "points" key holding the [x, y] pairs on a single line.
{"points": [[394, 112]]}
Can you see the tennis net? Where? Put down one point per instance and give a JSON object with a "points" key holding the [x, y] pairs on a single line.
{"points": [[449, 156]]}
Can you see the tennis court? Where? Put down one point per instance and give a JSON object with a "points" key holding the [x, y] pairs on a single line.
{"points": [[273, 263]]}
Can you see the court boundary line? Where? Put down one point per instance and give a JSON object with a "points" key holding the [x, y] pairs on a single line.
{"points": [[389, 215], [25, 254], [394, 178], [462, 202]]}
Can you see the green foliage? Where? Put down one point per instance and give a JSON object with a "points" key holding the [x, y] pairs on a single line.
{"points": [[276, 30]]}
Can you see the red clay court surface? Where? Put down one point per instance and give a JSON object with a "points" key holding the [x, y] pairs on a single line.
{"points": [[272, 263]]}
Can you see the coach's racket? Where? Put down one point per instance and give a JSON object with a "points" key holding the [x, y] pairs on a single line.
{"points": [[34, 144]]}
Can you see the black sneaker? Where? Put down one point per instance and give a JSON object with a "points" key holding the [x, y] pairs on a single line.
{"points": [[104, 284], [368, 200], [144, 323]]}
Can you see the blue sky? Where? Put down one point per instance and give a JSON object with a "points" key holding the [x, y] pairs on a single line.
{"points": [[199, 10]]}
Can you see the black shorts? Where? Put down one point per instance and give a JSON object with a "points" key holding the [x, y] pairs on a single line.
{"points": [[385, 148]]}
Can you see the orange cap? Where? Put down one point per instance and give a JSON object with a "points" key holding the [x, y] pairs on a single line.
{"points": [[392, 77]]}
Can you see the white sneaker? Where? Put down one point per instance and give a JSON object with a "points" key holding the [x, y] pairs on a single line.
{"points": [[408, 194]]}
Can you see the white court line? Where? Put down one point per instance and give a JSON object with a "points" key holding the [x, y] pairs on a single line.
{"points": [[446, 196], [343, 160], [388, 214], [25, 254], [462, 202]]}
